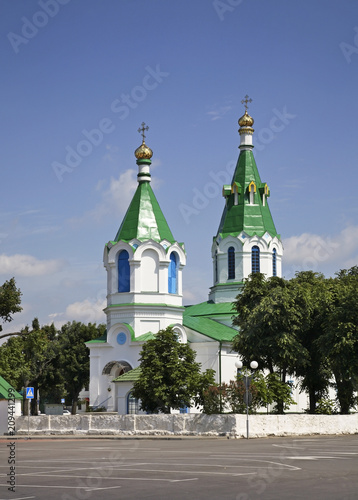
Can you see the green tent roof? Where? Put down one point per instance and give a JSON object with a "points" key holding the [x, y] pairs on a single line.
{"points": [[144, 219], [209, 320], [7, 391], [131, 376], [254, 219], [100, 340]]}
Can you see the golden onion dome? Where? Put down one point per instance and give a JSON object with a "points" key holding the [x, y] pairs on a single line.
{"points": [[143, 152], [246, 120]]}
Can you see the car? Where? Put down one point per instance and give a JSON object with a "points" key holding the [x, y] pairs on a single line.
{"points": [[66, 412]]}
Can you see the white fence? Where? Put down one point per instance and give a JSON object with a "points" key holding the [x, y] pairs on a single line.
{"points": [[188, 425]]}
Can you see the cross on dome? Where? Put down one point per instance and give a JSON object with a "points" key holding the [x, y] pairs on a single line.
{"points": [[245, 101], [143, 152], [142, 129]]}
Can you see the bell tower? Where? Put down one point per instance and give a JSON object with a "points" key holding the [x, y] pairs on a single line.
{"points": [[246, 241], [144, 263]]}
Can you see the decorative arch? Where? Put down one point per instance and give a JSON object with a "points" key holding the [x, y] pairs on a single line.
{"points": [[231, 263], [123, 272], [116, 368], [132, 404], [150, 245], [173, 273], [181, 333], [252, 190], [255, 259]]}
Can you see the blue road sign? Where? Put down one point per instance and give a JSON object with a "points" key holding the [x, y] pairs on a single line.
{"points": [[29, 393], [62, 400]]}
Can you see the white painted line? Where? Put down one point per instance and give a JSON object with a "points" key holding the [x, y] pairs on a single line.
{"points": [[290, 447], [106, 488], [22, 498], [207, 473], [280, 464], [182, 480], [312, 458]]}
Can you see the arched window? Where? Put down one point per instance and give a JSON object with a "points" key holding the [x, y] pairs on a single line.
{"points": [[123, 272], [252, 191], [255, 259], [231, 263], [216, 267], [172, 274], [274, 267], [132, 404]]}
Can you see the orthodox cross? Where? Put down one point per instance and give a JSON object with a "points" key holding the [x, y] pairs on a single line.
{"points": [[245, 101], [142, 129]]}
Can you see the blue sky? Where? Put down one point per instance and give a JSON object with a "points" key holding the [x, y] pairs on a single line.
{"points": [[72, 66]]}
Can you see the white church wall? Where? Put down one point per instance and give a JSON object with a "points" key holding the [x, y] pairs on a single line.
{"points": [[206, 355], [150, 271]]}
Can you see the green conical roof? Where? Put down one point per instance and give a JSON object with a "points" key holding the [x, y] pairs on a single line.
{"points": [[254, 219], [144, 219]]}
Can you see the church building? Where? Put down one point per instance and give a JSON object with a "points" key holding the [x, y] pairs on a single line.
{"points": [[145, 278]]}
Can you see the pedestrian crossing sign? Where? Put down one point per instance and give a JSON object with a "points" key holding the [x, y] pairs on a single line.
{"points": [[29, 393]]}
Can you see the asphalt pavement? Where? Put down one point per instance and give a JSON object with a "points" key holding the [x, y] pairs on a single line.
{"points": [[314, 467]]}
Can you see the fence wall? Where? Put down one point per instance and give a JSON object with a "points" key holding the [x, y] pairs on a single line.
{"points": [[188, 425]]}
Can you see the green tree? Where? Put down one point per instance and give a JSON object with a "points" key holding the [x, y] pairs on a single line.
{"points": [[24, 359], [55, 362], [74, 357], [312, 295], [280, 323], [340, 340], [269, 326], [10, 300], [170, 377]]}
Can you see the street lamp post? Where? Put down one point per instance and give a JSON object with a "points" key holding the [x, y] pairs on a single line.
{"points": [[248, 378]]}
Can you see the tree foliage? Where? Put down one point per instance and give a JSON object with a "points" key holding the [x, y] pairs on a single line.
{"points": [[54, 361], [170, 377], [10, 300], [74, 356], [263, 391], [339, 341], [307, 327]]}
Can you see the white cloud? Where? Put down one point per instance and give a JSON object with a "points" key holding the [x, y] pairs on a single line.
{"points": [[218, 112], [121, 190], [27, 265], [116, 198], [87, 311], [319, 253]]}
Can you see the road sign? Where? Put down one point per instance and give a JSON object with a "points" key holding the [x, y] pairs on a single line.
{"points": [[62, 400], [29, 393]]}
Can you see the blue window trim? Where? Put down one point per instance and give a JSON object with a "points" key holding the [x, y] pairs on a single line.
{"points": [[123, 272], [274, 262], [173, 273], [255, 259], [231, 263], [216, 267]]}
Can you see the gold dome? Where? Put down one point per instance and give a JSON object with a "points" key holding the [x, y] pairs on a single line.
{"points": [[246, 120], [143, 152]]}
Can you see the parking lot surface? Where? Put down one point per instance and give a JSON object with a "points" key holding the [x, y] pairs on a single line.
{"points": [[273, 468]]}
